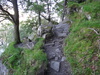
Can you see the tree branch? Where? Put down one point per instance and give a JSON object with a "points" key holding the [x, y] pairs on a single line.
{"points": [[7, 13], [1, 16], [2, 19], [9, 19], [44, 17], [94, 31]]}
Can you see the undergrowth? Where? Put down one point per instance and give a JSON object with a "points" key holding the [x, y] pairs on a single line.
{"points": [[82, 46], [24, 61]]}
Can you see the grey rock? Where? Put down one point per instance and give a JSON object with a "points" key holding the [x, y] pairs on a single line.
{"points": [[55, 65], [43, 29], [3, 69], [49, 44], [88, 16], [59, 56], [56, 58], [60, 30], [46, 35], [1, 51], [51, 56], [63, 59], [58, 51], [28, 45]]}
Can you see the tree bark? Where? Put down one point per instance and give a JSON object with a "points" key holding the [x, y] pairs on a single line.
{"points": [[49, 12], [16, 22], [64, 9], [39, 18], [16, 34], [14, 19]]}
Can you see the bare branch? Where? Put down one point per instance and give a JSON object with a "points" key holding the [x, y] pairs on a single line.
{"points": [[44, 17], [9, 19], [1, 16], [7, 13], [48, 19], [2, 19]]}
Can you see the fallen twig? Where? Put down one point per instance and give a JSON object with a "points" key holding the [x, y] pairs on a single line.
{"points": [[94, 31]]}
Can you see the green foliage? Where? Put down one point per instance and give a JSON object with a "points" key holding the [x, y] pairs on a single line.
{"points": [[73, 4], [81, 46], [59, 8], [92, 23], [26, 27], [95, 7], [24, 61], [6, 32], [11, 54], [37, 8], [38, 45]]}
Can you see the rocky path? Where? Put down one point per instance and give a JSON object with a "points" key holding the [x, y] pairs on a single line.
{"points": [[3, 69], [58, 64]]}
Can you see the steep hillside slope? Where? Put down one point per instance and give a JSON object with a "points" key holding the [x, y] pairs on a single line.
{"points": [[82, 47]]}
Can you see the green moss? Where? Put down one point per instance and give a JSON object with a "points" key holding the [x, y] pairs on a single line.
{"points": [[81, 46], [24, 61]]}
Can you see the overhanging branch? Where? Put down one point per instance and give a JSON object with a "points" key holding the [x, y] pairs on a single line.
{"points": [[7, 13], [44, 17], [48, 19], [2, 19]]}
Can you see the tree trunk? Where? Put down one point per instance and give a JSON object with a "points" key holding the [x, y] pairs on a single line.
{"points": [[16, 34], [48, 8], [14, 19], [64, 9], [39, 18], [16, 22]]}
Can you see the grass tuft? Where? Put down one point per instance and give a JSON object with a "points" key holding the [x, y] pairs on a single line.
{"points": [[24, 61], [82, 46]]}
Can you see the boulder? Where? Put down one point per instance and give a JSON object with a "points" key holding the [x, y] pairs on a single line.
{"points": [[51, 56], [60, 30], [3, 69], [55, 65], [43, 29], [56, 58], [27, 45]]}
